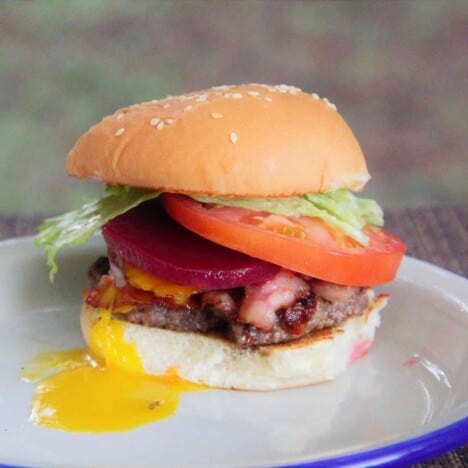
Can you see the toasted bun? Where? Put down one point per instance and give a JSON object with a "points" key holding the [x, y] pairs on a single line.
{"points": [[247, 140], [219, 363]]}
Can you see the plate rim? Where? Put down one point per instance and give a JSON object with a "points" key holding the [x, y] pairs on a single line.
{"points": [[416, 449], [411, 450]]}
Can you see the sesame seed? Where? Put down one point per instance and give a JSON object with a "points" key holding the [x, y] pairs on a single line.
{"points": [[154, 100], [120, 116], [186, 108], [269, 88], [233, 137], [253, 93], [315, 96], [217, 115], [233, 95], [329, 104], [268, 99], [154, 122], [201, 98], [119, 131], [160, 125], [169, 121], [283, 88], [166, 106]]}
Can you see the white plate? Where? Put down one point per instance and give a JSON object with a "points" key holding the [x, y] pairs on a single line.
{"points": [[389, 406]]}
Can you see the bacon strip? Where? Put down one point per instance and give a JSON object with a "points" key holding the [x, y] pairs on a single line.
{"points": [[332, 292], [106, 295], [262, 301]]}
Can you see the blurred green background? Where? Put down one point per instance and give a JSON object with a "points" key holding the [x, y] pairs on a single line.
{"points": [[397, 71]]}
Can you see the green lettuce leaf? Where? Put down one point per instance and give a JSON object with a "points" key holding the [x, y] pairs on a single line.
{"points": [[76, 227], [340, 209]]}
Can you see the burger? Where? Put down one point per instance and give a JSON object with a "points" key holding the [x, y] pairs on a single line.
{"points": [[238, 254]]}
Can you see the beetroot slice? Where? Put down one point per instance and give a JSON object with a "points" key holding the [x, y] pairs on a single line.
{"points": [[147, 237]]}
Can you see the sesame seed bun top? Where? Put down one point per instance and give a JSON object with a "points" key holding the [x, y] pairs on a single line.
{"points": [[246, 140]]}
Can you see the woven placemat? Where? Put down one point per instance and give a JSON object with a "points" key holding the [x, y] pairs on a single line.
{"points": [[437, 235]]}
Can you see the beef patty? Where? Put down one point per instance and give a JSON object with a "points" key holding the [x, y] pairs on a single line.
{"points": [[218, 312]]}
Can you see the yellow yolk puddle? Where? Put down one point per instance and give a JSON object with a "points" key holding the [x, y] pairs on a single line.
{"points": [[85, 396]]}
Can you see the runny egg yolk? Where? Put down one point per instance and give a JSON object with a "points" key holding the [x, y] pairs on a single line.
{"points": [[84, 395]]}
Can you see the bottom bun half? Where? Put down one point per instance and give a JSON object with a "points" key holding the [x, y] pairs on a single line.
{"points": [[217, 362]]}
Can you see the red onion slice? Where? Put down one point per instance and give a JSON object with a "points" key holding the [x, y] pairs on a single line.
{"points": [[147, 237]]}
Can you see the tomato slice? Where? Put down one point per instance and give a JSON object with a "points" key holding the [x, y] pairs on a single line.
{"points": [[301, 244]]}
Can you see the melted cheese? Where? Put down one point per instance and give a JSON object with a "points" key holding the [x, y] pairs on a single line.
{"points": [[159, 286], [106, 396]]}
